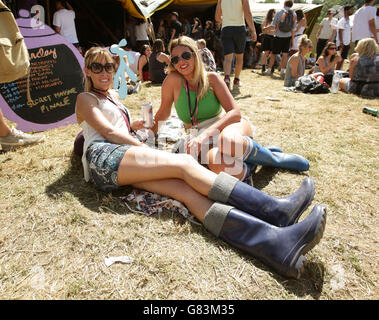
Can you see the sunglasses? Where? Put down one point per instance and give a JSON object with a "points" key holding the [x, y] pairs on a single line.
{"points": [[186, 55], [332, 48], [96, 67]]}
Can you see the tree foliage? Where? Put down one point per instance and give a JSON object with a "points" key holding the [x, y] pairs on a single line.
{"points": [[331, 3]]}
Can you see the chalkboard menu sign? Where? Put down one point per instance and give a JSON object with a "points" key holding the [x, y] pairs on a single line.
{"points": [[55, 79]]}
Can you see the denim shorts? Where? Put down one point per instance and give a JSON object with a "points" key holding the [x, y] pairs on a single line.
{"points": [[233, 39], [103, 159]]}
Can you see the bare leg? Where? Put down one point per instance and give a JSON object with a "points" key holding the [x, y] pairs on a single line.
{"points": [[4, 128], [231, 145], [238, 66], [177, 189], [219, 162], [272, 60], [146, 164], [283, 62], [231, 141], [266, 55], [228, 64]]}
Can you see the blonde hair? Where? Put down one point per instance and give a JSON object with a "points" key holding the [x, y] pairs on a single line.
{"points": [[367, 47], [92, 55], [199, 73], [304, 41]]}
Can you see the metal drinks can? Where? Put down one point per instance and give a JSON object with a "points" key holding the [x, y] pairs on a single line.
{"points": [[147, 114], [371, 111]]}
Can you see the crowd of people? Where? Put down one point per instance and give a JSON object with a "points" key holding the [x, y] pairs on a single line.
{"points": [[210, 174], [230, 42]]}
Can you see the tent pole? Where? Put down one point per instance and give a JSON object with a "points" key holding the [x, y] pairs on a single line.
{"points": [[152, 32], [48, 12]]}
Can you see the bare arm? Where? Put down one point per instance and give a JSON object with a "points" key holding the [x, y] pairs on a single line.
{"points": [[318, 32], [333, 35], [353, 63], [163, 58], [167, 99], [218, 13], [141, 63], [322, 64], [57, 29], [249, 19], [340, 32], [372, 26], [87, 110]]}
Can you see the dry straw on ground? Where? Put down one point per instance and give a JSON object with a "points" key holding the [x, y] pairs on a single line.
{"points": [[56, 230]]}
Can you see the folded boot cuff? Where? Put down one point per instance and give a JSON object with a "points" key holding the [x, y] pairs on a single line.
{"points": [[222, 188], [215, 217]]}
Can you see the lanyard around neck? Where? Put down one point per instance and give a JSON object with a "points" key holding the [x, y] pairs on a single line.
{"points": [[193, 113], [122, 108]]}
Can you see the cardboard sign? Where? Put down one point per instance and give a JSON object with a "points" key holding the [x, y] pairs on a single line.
{"points": [[56, 78]]}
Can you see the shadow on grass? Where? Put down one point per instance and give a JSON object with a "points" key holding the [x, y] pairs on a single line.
{"points": [[72, 182]]}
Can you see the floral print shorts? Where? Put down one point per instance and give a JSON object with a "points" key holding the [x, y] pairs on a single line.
{"points": [[103, 160]]}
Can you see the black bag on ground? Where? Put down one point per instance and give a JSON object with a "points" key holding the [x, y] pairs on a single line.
{"points": [[308, 84]]}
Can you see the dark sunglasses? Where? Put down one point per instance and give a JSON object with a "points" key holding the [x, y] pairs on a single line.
{"points": [[186, 55], [332, 48], [96, 67]]}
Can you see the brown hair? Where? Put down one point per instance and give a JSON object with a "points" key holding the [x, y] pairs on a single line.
{"points": [[158, 46], [325, 52]]}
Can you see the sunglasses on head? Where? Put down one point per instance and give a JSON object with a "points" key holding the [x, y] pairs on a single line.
{"points": [[186, 55], [96, 67]]}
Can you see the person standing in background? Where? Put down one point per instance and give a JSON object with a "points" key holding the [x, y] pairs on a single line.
{"points": [[176, 28], [327, 32], [64, 22], [300, 28], [142, 33], [344, 34], [268, 31], [232, 15], [364, 23], [197, 32], [285, 25]]}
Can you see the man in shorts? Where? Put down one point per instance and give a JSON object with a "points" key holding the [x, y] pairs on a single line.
{"points": [[232, 15], [282, 40], [344, 34]]}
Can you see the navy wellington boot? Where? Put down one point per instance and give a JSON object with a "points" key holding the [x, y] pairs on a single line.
{"points": [[279, 212], [270, 157], [282, 249]]}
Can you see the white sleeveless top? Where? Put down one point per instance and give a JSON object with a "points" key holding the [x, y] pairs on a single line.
{"points": [[113, 115], [232, 13]]}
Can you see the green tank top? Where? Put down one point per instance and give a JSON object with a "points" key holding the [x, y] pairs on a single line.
{"points": [[208, 108]]}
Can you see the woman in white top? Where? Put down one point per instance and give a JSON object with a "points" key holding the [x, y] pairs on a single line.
{"points": [[263, 226], [300, 28]]}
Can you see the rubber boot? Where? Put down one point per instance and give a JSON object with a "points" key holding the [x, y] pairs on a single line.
{"points": [[279, 212], [282, 249], [266, 157]]}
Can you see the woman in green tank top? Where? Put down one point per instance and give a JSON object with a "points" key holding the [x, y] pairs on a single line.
{"points": [[203, 102]]}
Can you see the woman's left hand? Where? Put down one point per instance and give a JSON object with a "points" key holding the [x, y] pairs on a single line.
{"points": [[137, 125]]}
